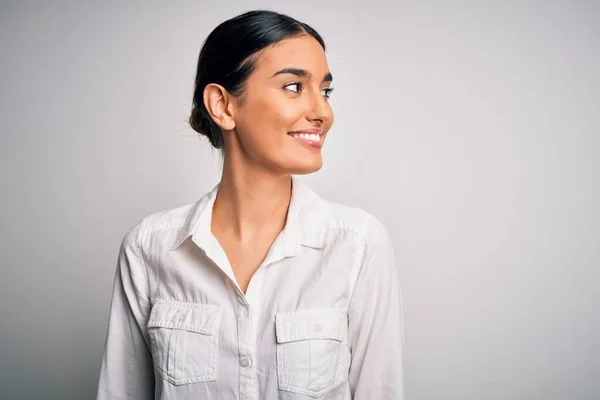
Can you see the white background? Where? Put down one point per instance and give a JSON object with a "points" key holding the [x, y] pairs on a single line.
{"points": [[471, 129]]}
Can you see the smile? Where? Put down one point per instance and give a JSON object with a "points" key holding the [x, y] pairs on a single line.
{"points": [[310, 139]]}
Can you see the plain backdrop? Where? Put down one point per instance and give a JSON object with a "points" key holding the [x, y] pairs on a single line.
{"points": [[471, 129]]}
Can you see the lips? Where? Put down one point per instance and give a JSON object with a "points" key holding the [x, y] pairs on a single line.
{"points": [[310, 139]]}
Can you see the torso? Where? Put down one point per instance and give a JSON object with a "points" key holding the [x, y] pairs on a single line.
{"points": [[286, 337]]}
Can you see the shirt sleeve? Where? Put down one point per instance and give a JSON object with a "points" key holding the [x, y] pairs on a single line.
{"points": [[376, 335], [127, 371]]}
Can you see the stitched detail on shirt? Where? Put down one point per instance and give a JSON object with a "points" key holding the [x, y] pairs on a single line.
{"points": [[163, 226], [360, 233], [187, 304], [138, 241]]}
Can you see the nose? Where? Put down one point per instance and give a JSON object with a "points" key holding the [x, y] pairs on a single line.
{"points": [[319, 109]]}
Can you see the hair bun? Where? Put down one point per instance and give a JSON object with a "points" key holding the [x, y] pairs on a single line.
{"points": [[201, 122]]}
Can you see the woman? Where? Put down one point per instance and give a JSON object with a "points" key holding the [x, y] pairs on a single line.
{"points": [[261, 289]]}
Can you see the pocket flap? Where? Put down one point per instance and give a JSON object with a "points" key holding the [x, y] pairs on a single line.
{"points": [[195, 317], [311, 324]]}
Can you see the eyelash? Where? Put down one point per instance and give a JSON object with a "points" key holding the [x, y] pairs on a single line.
{"points": [[327, 95]]}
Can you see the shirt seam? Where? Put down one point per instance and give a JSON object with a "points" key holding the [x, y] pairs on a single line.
{"points": [[138, 240], [360, 251], [351, 229], [163, 226]]}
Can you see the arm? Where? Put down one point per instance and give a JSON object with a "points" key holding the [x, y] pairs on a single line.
{"points": [[127, 371], [375, 322]]}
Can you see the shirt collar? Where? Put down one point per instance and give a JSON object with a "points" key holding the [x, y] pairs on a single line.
{"points": [[306, 225]]}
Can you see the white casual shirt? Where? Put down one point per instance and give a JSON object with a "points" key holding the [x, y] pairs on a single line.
{"points": [[321, 317]]}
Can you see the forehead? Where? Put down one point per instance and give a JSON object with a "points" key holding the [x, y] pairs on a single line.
{"points": [[299, 52]]}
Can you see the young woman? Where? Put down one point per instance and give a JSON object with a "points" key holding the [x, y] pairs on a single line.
{"points": [[261, 289]]}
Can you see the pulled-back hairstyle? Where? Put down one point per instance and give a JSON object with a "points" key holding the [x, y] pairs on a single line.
{"points": [[228, 57]]}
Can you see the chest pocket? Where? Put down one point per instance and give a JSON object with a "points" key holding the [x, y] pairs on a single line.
{"points": [[312, 351], [185, 341]]}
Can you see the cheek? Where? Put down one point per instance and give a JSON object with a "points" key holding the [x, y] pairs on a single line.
{"points": [[283, 113], [271, 119]]}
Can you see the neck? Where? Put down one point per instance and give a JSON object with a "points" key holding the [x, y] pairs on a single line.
{"points": [[250, 202]]}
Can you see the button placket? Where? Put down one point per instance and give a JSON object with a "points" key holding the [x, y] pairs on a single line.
{"points": [[153, 344], [246, 347]]}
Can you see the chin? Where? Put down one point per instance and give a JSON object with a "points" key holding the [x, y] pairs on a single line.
{"points": [[295, 164], [306, 168]]}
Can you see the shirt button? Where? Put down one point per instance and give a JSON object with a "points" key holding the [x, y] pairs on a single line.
{"points": [[244, 312], [318, 328], [246, 362], [181, 317]]}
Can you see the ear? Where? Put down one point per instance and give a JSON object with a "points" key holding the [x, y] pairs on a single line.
{"points": [[219, 104]]}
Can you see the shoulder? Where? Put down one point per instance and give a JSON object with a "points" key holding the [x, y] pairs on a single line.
{"points": [[372, 243], [172, 218], [165, 222], [361, 222]]}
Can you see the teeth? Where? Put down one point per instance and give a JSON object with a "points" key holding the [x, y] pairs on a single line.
{"points": [[308, 136]]}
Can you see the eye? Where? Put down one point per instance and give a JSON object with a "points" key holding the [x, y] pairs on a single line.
{"points": [[327, 92], [297, 84], [298, 89]]}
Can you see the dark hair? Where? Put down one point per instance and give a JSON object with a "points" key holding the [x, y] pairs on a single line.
{"points": [[228, 57]]}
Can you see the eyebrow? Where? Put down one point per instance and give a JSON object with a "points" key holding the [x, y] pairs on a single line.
{"points": [[302, 73]]}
